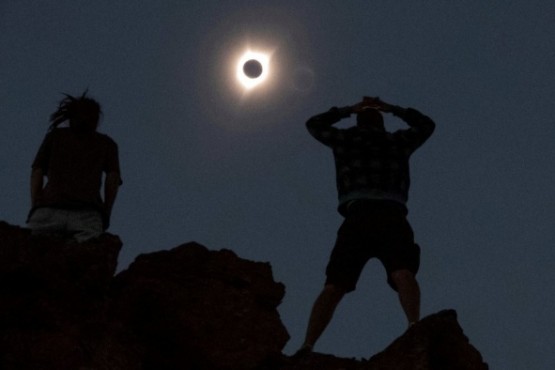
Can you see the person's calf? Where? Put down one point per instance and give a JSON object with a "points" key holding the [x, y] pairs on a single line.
{"points": [[409, 293], [322, 313]]}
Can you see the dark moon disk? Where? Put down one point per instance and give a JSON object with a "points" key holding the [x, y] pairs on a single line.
{"points": [[252, 68]]}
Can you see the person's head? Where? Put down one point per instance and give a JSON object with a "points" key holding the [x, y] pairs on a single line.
{"points": [[370, 118], [83, 113]]}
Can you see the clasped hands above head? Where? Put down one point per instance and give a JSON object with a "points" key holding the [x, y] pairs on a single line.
{"points": [[371, 103]]}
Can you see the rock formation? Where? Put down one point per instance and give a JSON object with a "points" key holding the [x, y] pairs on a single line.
{"points": [[184, 308]]}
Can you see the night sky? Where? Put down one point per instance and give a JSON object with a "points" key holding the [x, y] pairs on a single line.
{"points": [[205, 160]]}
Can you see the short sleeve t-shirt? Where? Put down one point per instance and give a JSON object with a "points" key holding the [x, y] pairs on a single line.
{"points": [[74, 164]]}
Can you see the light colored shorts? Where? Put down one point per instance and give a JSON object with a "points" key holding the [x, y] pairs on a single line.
{"points": [[82, 225]]}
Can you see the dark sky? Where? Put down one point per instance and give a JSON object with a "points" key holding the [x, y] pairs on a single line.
{"points": [[204, 161]]}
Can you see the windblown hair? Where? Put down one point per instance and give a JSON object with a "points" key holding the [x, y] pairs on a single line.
{"points": [[72, 108]]}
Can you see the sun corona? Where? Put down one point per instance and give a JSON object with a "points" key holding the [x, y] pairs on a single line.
{"points": [[252, 69]]}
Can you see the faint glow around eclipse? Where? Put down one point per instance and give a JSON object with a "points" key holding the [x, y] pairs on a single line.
{"points": [[248, 82]]}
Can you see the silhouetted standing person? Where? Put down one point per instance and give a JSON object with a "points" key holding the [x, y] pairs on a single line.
{"points": [[372, 173], [74, 160]]}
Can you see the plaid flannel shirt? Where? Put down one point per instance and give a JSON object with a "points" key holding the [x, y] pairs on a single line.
{"points": [[371, 164]]}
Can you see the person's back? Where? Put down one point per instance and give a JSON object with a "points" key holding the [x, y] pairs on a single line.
{"points": [[74, 165], [370, 162], [74, 160]]}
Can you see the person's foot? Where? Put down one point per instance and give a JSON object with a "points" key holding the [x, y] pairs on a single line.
{"points": [[302, 352]]}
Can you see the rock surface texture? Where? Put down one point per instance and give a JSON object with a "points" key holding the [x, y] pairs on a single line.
{"points": [[184, 308]]}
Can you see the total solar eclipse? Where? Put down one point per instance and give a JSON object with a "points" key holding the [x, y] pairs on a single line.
{"points": [[252, 68]]}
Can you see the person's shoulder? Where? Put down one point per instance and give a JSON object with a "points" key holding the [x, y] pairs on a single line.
{"points": [[104, 138]]}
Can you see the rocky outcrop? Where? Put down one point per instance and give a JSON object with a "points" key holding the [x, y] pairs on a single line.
{"points": [[199, 308], [184, 308], [436, 342]]}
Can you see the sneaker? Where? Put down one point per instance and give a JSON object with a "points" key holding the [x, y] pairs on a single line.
{"points": [[304, 351]]}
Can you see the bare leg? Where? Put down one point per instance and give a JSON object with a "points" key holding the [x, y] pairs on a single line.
{"points": [[322, 313], [409, 294]]}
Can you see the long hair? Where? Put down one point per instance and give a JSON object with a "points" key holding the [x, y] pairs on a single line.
{"points": [[73, 108]]}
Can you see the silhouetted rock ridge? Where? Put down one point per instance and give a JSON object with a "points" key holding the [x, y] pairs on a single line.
{"points": [[184, 308]]}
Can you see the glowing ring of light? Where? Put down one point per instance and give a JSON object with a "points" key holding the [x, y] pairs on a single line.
{"points": [[248, 82]]}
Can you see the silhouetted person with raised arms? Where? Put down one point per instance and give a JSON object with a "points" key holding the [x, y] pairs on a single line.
{"points": [[372, 173], [74, 159]]}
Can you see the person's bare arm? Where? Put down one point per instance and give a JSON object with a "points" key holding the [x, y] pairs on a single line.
{"points": [[37, 182], [111, 187]]}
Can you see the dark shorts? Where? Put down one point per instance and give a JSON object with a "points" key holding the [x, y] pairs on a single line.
{"points": [[372, 229]]}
